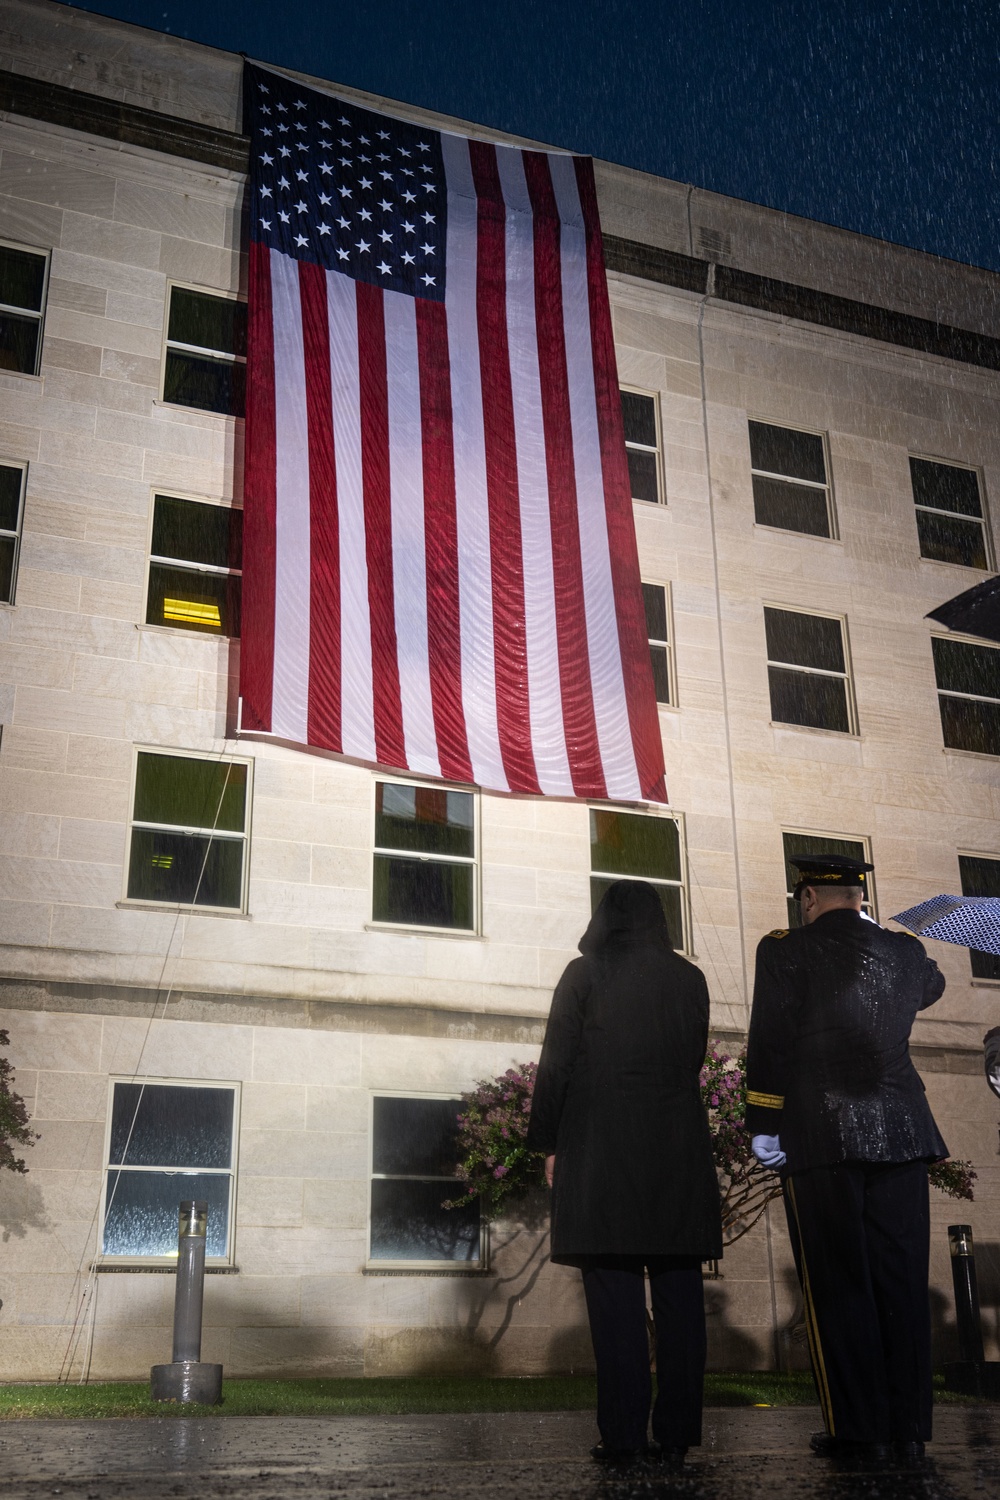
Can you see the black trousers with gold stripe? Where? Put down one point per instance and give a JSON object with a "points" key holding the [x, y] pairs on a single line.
{"points": [[861, 1238]]}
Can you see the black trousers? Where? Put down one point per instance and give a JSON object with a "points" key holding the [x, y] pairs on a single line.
{"points": [[861, 1238], [616, 1305]]}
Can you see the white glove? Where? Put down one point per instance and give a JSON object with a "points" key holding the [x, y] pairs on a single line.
{"points": [[767, 1149]]}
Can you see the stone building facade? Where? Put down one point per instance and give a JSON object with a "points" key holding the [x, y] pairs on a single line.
{"points": [[813, 424]]}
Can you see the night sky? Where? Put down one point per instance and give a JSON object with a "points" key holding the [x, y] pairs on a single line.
{"points": [[878, 115]]}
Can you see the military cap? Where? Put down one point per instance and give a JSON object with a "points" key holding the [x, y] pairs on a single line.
{"points": [[829, 869]]}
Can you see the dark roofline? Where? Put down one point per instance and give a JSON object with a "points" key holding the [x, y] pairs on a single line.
{"points": [[134, 125]]}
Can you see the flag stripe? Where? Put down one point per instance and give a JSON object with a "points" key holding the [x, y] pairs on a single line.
{"points": [[624, 553], [324, 590], [574, 660], [509, 644], [357, 708], [475, 592], [257, 628], [290, 694], [409, 564], [444, 644]]}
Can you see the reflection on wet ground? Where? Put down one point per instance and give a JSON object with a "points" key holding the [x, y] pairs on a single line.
{"points": [[746, 1454]]}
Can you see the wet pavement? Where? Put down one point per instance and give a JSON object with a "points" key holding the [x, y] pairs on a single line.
{"points": [[747, 1455]]}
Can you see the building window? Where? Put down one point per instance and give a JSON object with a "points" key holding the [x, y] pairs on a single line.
{"points": [[950, 520], [194, 566], [981, 877], [654, 597], [12, 482], [796, 844], [425, 857], [968, 680], [790, 486], [205, 364], [642, 444], [807, 670], [169, 1142], [414, 1170], [189, 831], [640, 846], [23, 275]]}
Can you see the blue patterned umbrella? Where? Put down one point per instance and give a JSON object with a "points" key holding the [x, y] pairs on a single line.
{"points": [[969, 921]]}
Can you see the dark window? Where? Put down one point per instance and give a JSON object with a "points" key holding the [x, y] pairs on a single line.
{"points": [[425, 856], [22, 298], [790, 488], [968, 679], [807, 670], [188, 840], [12, 481], [820, 843], [169, 1142], [654, 597], [194, 568], [639, 846], [206, 352], [981, 877], [949, 507], [642, 445], [414, 1170]]}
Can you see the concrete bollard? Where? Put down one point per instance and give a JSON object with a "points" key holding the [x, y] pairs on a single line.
{"points": [[186, 1379], [973, 1375]]}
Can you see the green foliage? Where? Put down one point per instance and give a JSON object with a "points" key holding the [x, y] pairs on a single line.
{"points": [[954, 1178], [14, 1130], [494, 1160]]}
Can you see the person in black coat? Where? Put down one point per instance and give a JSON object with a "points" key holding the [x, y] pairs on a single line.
{"points": [[835, 1103], [617, 1110]]}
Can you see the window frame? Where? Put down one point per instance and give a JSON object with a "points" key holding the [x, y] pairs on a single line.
{"points": [[27, 312], [147, 903], [686, 945], [441, 1267], [833, 534], [378, 924], [933, 510], [661, 488], [23, 465], [668, 605], [158, 491], [871, 899], [197, 349], [974, 978], [232, 1171], [961, 638], [847, 676]]}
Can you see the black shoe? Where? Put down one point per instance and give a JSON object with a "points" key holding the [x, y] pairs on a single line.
{"points": [[671, 1458], [605, 1455], [909, 1455], [846, 1451]]}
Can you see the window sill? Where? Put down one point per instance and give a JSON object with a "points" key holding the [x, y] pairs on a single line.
{"points": [[155, 1268], [985, 984], [378, 1269], [810, 536], [650, 504], [191, 911], [840, 734], [940, 562], [441, 932], [969, 754], [179, 630], [11, 380], [198, 411]]}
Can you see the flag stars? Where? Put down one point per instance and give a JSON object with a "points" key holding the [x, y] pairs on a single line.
{"points": [[265, 131], [265, 191], [363, 246], [409, 197], [408, 226], [345, 161], [301, 176], [325, 198], [427, 249], [324, 125], [301, 241], [285, 218], [428, 280], [325, 168], [343, 120], [427, 218], [403, 151], [326, 145], [302, 206], [383, 135], [323, 228], [300, 104], [363, 140], [386, 270], [265, 223], [385, 206], [428, 187], [282, 109], [386, 176], [345, 143], [385, 237], [382, 157], [267, 161], [365, 214], [284, 151], [344, 192], [299, 125], [283, 182], [283, 129], [343, 255], [344, 223], [423, 146], [366, 182], [265, 109], [406, 172], [408, 259]]}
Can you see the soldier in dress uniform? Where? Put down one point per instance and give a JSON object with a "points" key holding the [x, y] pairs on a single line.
{"points": [[835, 1103]]}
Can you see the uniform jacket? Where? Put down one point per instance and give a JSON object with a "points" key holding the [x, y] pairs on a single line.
{"points": [[828, 1060], [617, 1099], [991, 1053]]}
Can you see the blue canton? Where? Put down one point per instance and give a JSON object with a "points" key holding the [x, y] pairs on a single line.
{"points": [[347, 189]]}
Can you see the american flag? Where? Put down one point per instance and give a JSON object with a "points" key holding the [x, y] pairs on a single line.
{"points": [[440, 568]]}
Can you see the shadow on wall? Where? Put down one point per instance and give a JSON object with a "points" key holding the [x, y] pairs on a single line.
{"points": [[944, 1333], [22, 1207], [729, 1346]]}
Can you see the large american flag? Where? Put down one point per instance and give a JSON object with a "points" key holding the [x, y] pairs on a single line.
{"points": [[440, 568]]}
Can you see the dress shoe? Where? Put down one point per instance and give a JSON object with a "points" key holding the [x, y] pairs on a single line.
{"points": [[909, 1455], [605, 1455], [846, 1451], [670, 1457]]}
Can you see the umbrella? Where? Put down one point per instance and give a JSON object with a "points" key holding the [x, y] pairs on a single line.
{"points": [[969, 921], [976, 612]]}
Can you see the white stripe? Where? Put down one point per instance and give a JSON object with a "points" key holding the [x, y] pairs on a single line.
{"points": [[409, 561], [475, 578], [614, 732], [357, 711], [548, 737], [290, 690]]}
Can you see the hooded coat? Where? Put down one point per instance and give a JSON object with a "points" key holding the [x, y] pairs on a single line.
{"points": [[617, 1096]]}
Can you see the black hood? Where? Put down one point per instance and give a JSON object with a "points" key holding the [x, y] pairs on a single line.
{"points": [[629, 910]]}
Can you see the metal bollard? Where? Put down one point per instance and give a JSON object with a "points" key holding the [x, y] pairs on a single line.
{"points": [[186, 1379], [973, 1375]]}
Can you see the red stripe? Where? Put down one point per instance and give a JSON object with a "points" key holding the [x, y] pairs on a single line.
{"points": [[324, 727], [640, 694], [389, 746], [259, 502], [510, 640], [441, 542], [571, 622]]}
